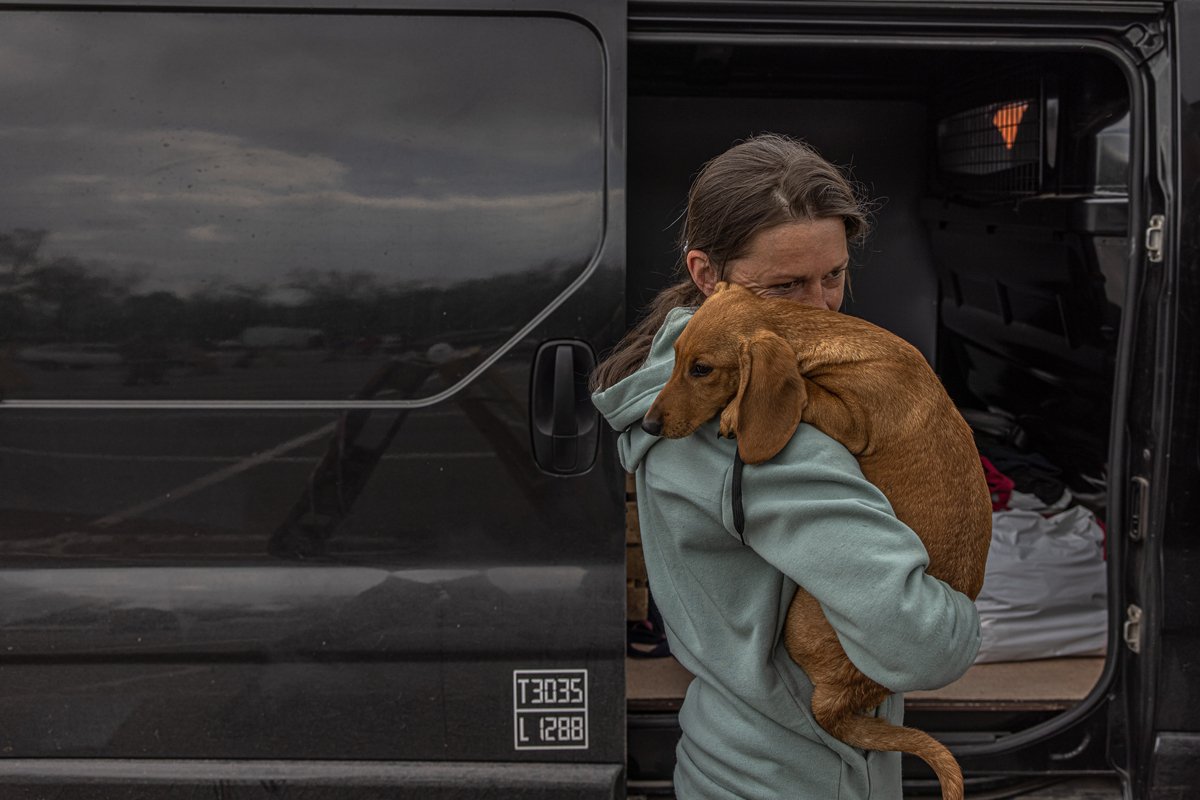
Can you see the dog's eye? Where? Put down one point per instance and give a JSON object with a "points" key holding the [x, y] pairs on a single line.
{"points": [[699, 370]]}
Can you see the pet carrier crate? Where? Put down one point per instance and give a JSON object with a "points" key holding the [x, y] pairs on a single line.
{"points": [[996, 138]]}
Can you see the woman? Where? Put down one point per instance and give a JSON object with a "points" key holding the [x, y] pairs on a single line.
{"points": [[774, 216]]}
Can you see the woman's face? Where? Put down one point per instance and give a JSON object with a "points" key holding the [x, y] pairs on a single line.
{"points": [[802, 261]]}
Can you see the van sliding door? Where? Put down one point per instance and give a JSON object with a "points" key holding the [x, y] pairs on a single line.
{"points": [[272, 285]]}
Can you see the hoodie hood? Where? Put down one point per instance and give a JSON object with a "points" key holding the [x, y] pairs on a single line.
{"points": [[625, 403]]}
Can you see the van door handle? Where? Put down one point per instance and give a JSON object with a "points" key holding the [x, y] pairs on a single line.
{"points": [[563, 421], [564, 393]]}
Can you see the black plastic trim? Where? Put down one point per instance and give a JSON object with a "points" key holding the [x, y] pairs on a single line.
{"points": [[345, 779]]}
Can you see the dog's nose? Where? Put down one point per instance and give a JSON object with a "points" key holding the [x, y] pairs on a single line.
{"points": [[652, 426]]}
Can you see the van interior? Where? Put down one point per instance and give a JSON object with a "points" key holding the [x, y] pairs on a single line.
{"points": [[1000, 248]]}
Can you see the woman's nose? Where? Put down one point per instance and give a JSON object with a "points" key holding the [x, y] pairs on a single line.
{"points": [[820, 297], [811, 295]]}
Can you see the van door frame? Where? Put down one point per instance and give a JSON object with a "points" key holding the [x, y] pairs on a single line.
{"points": [[1160, 649]]}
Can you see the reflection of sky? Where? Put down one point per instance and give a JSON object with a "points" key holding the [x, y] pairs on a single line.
{"points": [[196, 148]]}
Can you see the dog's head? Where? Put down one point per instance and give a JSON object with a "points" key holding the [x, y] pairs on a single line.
{"points": [[728, 363]]}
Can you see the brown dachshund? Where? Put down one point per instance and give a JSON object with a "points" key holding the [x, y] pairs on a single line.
{"points": [[765, 365]]}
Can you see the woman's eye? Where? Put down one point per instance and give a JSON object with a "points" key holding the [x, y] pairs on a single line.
{"points": [[836, 275], [699, 370], [782, 288]]}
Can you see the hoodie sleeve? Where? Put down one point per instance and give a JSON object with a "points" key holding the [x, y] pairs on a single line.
{"points": [[811, 514]]}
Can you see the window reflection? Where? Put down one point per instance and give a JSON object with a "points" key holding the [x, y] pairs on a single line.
{"points": [[267, 206]]}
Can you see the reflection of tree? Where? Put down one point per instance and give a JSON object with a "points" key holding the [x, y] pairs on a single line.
{"points": [[62, 298], [77, 304], [346, 305], [12, 316], [18, 250], [66, 298], [217, 313]]}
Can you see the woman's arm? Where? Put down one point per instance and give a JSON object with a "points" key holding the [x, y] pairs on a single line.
{"points": [[811, 514]]}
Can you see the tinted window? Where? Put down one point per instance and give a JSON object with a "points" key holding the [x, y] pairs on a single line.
{"points": [[201, 206]]}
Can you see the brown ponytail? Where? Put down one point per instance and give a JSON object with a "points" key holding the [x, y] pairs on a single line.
{"points": [[760, 183]]}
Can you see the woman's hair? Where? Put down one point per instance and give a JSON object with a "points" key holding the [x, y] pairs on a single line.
{"points": [[762, 182]]}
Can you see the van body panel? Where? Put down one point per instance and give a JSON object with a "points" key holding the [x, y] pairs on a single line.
{"points": [[208, 556], [873, 16]]}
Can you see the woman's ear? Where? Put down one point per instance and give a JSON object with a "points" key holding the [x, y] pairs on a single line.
{"points": [[770, 399], [703, 273]]}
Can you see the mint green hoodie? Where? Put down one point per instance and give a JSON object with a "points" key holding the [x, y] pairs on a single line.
{"points": [[811, 519]]}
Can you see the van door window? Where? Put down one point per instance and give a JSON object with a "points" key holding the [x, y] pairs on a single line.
{"points": [[267, 207]]}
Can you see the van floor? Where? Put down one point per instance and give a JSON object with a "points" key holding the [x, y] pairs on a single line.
{"points": [[1052, 684]]}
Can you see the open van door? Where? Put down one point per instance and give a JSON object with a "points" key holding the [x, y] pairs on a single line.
{"points": [[1058, 280], [1159, 608], [300, 482]]}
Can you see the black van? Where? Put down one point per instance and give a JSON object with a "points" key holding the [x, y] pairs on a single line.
{"points": [[301, 490]]}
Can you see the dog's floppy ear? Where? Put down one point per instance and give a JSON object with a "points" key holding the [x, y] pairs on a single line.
{"points": [[770, 398]]}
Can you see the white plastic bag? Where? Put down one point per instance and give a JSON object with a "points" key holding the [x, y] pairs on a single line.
{"points": [[1044, 592]]}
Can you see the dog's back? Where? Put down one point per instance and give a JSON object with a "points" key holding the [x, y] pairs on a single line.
{"points": [[876, 394]]}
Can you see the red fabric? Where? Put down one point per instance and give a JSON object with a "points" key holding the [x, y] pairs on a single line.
{"points": [[999, 484]]}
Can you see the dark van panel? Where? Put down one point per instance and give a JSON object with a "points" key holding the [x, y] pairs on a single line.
{"points": [[221, 231]]}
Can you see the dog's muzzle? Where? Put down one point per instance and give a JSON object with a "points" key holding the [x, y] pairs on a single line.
{"points": [[652, 425]]}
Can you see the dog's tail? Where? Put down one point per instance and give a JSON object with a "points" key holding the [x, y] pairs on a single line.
{"points": [[874, 733]]}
